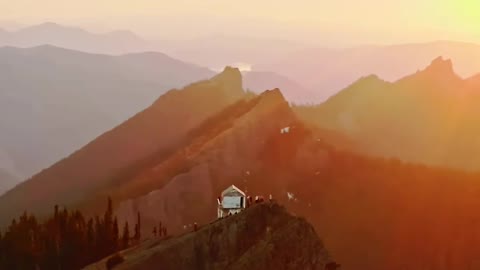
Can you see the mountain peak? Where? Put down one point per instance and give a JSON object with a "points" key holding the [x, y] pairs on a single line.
{"points": [[273, 101], [46, 25], [49, 24], [50, 27], [274, 94], [229, 74], [440, 66], [231, 78]]}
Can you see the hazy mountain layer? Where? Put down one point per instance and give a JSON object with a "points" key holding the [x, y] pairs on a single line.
{"points": [[211, 51], [323, 72], [372, 213], [53, 101], [293, 91], [330, 70], [430, 117], [116, 42], [157, 129]]}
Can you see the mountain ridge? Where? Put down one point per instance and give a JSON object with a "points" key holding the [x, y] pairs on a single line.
{"points": [[261, 145], [261, 237], [203, 99], [432, 110], [331, 70], [51, 33], [57, 93]]}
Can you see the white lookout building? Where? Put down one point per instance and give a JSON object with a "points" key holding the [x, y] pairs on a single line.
{"points": [[232, 201]]}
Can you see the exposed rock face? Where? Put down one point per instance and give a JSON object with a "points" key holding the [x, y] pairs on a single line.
{"points": [[262, 237], [189, 196]]}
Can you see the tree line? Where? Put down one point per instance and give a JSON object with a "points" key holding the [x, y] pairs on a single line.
{"points": [[65, 241]]}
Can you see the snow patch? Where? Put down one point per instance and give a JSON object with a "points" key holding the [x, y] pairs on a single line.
{"points": [[291, 196], [285, 130]]}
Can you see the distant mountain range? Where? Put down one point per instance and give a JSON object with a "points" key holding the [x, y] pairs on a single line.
{"points": [[65, 98], [319, 71], [386, 171], [53, 101], [49, 33], [216, 51], [170, 163], [158, 129], [211, 51], [293, 91], [329, 70], [430, 117]]}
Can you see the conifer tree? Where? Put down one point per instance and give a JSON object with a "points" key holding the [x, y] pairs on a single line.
{"points": [[138, 234], [126, 236], [62, 242], [139, 222], [90, 236], [116, 233]]}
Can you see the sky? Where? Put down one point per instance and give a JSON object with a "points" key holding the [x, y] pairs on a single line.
{"points": [[339, 22]]}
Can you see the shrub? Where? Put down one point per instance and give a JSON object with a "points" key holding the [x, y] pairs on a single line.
{"points": [[114, 261]]}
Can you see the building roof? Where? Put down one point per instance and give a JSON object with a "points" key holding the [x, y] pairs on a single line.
{"points": [[233, 189]]}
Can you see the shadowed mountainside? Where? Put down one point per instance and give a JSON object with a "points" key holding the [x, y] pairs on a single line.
{"points": [[159, 128], [341, 193], [372, 213], [429, 117], [53, 101], [386, 207], [262, 237]]}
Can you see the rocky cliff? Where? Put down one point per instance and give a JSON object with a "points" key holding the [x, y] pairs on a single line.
{"points": [[262, 237]]}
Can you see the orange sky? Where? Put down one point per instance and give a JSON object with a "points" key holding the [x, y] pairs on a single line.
{"points": [[340, 21]]}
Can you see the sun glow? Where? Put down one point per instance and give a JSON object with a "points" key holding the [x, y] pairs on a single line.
{"points": [[345, 20]]}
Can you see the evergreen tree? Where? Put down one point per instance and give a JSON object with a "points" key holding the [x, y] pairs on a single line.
{"points": [[126, 236], [2, 251], [90, 239], [139, 222], [108, 234], [116, 233], [138, 234], [65, 241], [55, 214]]}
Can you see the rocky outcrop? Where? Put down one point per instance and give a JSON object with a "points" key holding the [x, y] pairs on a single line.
{"points": [[262, 237], [189, 195]]}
